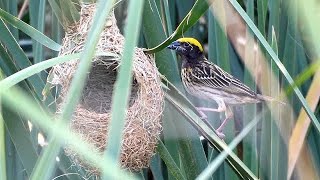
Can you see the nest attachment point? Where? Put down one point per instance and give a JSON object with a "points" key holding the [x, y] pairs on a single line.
{"points": [[92, 115]]}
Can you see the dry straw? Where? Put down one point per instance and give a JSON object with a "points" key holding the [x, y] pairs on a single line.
{"points": [[92, 115]]}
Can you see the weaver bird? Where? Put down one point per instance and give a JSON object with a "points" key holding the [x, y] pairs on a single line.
{"points": [[206, 80]]}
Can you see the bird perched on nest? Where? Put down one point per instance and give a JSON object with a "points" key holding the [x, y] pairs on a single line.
{"points": [[206, 80]]}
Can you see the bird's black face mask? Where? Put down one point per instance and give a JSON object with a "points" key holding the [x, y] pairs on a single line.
{"points": [[185, 49]]}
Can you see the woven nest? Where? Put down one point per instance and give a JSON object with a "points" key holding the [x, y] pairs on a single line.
{"points": [[92, 114]]}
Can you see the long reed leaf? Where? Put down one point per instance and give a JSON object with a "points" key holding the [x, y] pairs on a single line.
{"points": [[3, 173], [18, 101], [223, 155], [192, 17], [29, 30], [123, 82], [153, 33], [171, 165], [36, 68], [275, 58]]}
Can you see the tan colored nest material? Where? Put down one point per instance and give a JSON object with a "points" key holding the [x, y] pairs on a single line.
{"points": [[92, 115]]}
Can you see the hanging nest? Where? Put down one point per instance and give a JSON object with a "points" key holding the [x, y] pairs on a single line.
{"points": [[92, 115]]}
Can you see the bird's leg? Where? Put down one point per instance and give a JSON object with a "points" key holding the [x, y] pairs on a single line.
{"points": [[204, 118], [229, 115], [202, 114], [221, 108]]}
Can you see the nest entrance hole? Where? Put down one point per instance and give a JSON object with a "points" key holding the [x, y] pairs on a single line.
{"points": [[97, 94]]}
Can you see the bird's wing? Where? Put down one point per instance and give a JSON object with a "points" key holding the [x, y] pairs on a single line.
{"points": [[212, 76]]}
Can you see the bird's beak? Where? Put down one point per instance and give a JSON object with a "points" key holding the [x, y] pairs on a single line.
{"points": [[174, 45]]}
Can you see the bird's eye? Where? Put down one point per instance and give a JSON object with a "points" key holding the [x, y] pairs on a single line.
{"points": [[186, 44]]}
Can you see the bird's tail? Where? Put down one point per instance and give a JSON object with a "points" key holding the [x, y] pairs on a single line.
{"points": [[270, 99]]}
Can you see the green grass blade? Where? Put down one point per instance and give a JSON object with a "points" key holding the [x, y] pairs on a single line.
{"points": [[156, 167], [68, 169], [20, 136], [198, 9], [183, 143], [20, 59], [29, 30], [58, 13], [47, 161], [262, 15], [18, 101], [250, 141], [123, 83], [3, 171], [274, 20], [167, 16], [12, 8], [168, 160], [182, 10], [222, 50], [9, 68], [69, 11], [56, 31], [168, 23], [170, 135], [189, 146], [36, 68], [153, 33], [39, 15], [276, 156], [305, 75], [223, 155], [277, 61]]}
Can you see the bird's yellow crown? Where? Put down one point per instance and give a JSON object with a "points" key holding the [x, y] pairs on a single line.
{"points": [[192, 41]]}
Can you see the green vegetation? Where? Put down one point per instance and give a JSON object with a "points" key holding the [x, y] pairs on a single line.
{"points": [[270, 45]]}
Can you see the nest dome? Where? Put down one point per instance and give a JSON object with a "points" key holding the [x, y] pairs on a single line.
{"points": [[92, 115]]}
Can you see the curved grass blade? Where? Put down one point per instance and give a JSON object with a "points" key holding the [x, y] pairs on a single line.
{"points": [[69, 11], [19, 101], [275, 58], [20, 135], [304, 76], [3, 171], [198, 9], [300, 130], [37, 20], [122, 86], [223, 155], [171, 165], [188, 145], [36, 68], [29, 30], [59, 15], [20, 60], [156, 167], [153, 33], [184, 106]]}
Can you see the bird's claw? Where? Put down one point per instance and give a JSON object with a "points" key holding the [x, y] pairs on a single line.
{"points": [[220, 134]]}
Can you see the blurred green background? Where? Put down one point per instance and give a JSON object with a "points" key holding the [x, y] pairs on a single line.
{"points": [[270, 45]]}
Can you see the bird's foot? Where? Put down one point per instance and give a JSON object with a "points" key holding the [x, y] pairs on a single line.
{"points": [[220, 134], [204, 118], [229, 115]]}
